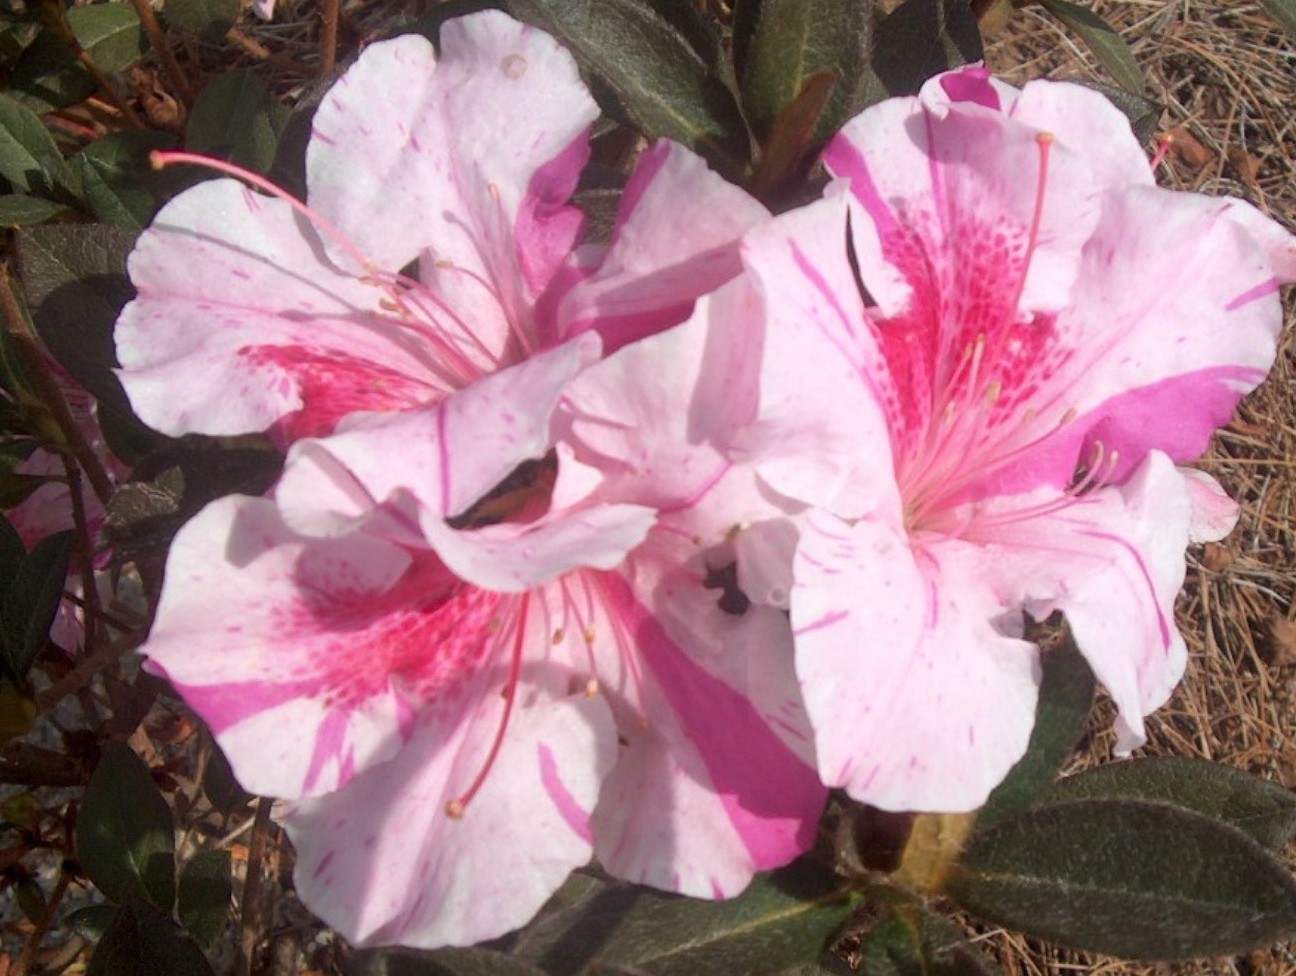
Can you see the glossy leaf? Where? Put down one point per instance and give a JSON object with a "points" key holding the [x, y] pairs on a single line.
{"points": [[645, 69], [31, 599], [76, 284], [20, 210], [92, 921], [48, 75], [1127, 877], [125, 837], [117, 178], [236, 119], [1283, 11], [12, 552], [794, 42], [782, 920], [29, 160], [207, 19], [1264, 810], [203, 897], [1066, 696], [142, 941], [919, 39], [1107, 45]]}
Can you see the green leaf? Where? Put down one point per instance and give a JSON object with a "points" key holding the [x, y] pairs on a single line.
{"points": [[1283, 11], [791, 148], [12, 552], [207, 19], [75, 280], [1066, 696], [117, 179], [236, 119], [203, 898], [92, 921], [142, 941], [125, 837], [18, 210], [29, 160], [919, 39], [782, 920], [32, 599], [49, 76], [908, 941], [1263, 810], [648, 72], [795, 41], [1129, 878], [17, 488], [1108, 46]]}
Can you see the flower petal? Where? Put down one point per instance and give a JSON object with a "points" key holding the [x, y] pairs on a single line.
{"points": [[240, 324], [921, 694], [383, 863], [658, 262], [477, 174], [336, 643]]}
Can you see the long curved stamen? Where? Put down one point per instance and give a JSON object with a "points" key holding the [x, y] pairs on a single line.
{"points": [[456, 807], [1163, 150], [159, 159], [1044, 140]]}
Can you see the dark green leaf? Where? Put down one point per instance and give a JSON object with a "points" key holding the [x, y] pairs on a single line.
{"points": [[1127, 877], [92, 921], [75, 280], [236, 119], [142, 941], [908, 941], [1108, 46], [49, 76], [125, 836], [19, 210], [1283, 11], [795, 41], [12, 552], [919, 39], [117, 180], [32, 599], [203, 898], [30, 898], [791, 148], [207, 19], [1143, 113], [223, 791], [1262, 809], [1066, 696], [17, 488], [648, 72], [781, 920], [29, 160]]}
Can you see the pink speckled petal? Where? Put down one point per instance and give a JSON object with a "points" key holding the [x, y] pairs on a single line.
{"points": [[471, 168], [382, 863], [334, 645], [920, 690], [240, 324], [661, 257], [717, 784]]}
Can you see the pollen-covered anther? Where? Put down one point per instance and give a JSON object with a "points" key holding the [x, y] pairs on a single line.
{"points": [[592, 688], [992, 393], [454, 810], [558, 636]]}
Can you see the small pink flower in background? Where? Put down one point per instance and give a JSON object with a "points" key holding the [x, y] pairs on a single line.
{"points": [[994, 410], [470, 634]]}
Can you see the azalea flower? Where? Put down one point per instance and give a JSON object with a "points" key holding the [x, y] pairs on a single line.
{"points": [[472, 639], [985, 353]]}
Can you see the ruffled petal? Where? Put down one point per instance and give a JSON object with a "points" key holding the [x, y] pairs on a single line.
{"points": [[336, 644], [382, 862], [921, 692]]}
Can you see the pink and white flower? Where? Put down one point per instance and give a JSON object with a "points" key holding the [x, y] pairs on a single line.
{"points": [[995, 405], [469, 634]]}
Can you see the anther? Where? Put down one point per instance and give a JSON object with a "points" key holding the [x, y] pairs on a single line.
{"points": [[1163, 149], [558, 636], [592, 688], [992, 393]]}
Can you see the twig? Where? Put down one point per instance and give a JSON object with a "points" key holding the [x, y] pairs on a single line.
{"points": [[250, 920], [262, 53], [23, 966], [328, 39], [79, 677], [51, 395], [160, 47], [89, 615]]}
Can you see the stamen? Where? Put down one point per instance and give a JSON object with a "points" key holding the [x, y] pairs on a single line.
{"points": [[160, 159], [1044, 140], [1163, 149], [456, 807]]}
